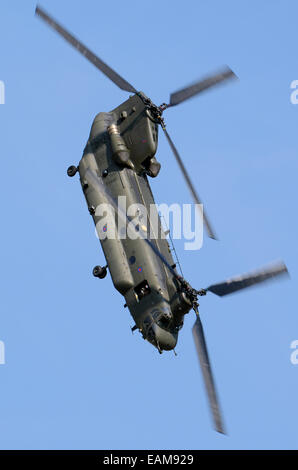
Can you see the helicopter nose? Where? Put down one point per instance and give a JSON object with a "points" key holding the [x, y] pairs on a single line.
{"points": [[164, 339]]}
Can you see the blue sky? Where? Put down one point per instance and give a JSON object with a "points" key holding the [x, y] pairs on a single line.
{"points": [[75, 377]]}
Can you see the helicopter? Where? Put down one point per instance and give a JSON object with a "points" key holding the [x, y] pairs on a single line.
{"points": [[117, 160]]}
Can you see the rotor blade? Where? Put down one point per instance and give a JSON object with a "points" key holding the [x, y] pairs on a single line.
{"points": [[110, 73], [189, 184], [97, 183], [249, 279], [200, 342], [202, 85]]}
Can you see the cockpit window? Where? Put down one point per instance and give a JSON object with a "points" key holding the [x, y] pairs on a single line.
{"points": [[164, 322]]}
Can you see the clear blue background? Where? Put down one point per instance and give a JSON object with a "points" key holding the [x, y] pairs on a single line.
{"points": [[75, 377]]}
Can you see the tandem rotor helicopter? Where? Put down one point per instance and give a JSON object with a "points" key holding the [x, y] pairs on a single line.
{"points": [[117, 160]]}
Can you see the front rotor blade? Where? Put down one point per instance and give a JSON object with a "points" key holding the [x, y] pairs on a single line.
{"points": [[110, 73], [200, 342], [202, 85], [189, 184], [249, 279]]}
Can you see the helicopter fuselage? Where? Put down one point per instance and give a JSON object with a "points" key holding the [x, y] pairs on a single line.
{"points": [[121, 151]]}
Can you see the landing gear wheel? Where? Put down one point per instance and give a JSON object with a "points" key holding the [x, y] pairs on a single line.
{"points": [[99, 271], [72, 170]]}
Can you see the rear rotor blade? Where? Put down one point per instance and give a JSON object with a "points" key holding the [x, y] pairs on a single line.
{"points": [[110, 73], [200, 342], [200, 86], [249, 279], [189, 183]]}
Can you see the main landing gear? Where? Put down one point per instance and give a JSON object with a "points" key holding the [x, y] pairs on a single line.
{"points": [[72, 170], [100, 271]]}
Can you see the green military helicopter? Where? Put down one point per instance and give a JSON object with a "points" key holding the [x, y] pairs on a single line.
{"points": [[118, 158]]}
